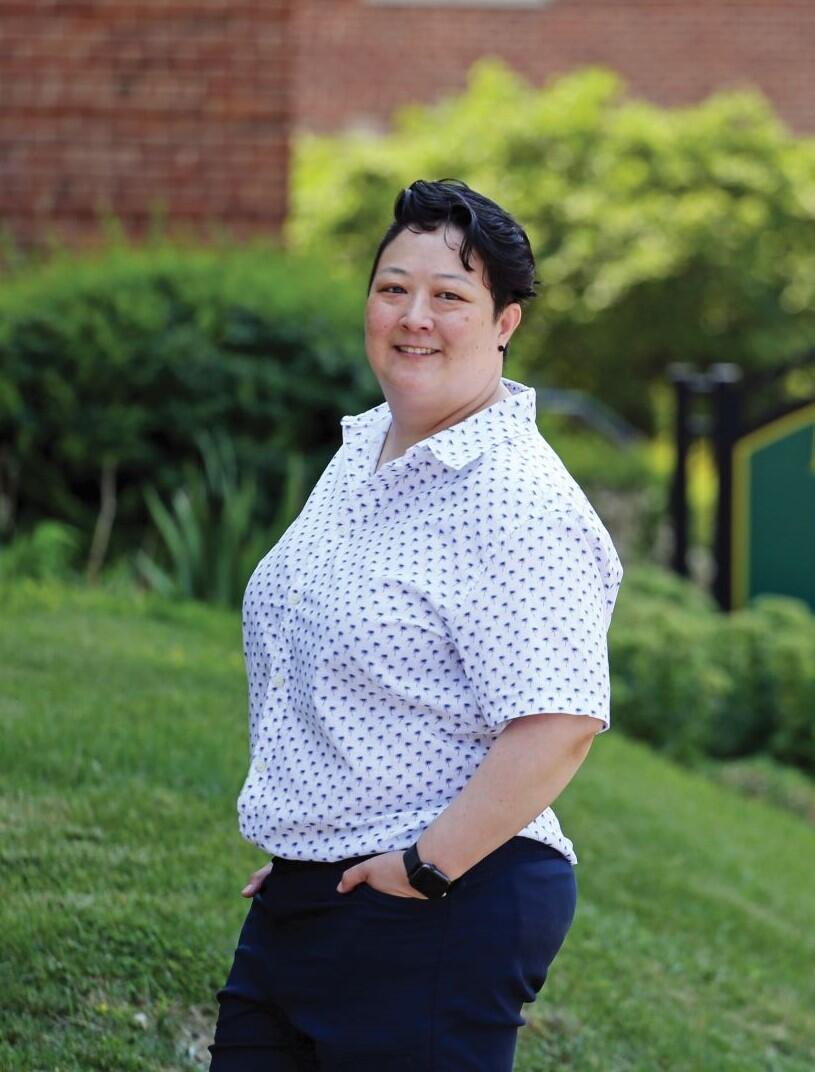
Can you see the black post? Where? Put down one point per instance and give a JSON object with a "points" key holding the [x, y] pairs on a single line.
{"points": [[726, 381], [681, 375]]}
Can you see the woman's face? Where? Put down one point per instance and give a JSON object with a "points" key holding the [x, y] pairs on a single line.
{"points": [[423, 297]]}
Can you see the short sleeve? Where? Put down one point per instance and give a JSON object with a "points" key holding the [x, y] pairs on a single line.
{"points": [[531, 632]]}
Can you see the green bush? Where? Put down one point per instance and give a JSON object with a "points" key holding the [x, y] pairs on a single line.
{"points": [[746, 714], [661, 234], [211, 542], [695, 682], [792, 662], [48, 552], [112, 362], [664, 687]]}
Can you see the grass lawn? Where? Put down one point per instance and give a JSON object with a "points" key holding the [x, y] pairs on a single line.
{"points": [[123, 749]]}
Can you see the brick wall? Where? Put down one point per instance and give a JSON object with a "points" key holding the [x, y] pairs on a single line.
{"points": [[191, 101], [109, 101], [358, 59]]}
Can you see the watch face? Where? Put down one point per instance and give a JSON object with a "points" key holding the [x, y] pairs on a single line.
{"points": [[430, 881]]}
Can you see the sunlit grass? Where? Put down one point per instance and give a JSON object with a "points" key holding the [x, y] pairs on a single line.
{"points": [[123, 750]]}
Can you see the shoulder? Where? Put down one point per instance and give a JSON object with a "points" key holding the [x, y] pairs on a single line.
{"points": [[545, 504], [523, 480]]}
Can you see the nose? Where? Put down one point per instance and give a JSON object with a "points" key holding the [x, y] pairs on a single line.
{"points": [[417, 314]]}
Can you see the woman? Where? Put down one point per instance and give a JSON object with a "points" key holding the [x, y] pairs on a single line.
{"points": [[427, 664]]}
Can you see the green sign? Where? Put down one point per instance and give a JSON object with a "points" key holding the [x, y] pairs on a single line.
{"points": [[773, 530]]}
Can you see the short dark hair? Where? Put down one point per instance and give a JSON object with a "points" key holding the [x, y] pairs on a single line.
{"points": [[500, 241]]}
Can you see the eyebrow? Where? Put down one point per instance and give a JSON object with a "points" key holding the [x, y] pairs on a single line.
{"points": [[437, 275]]}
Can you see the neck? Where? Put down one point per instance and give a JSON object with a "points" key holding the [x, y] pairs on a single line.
{"points": [[404, 432]]}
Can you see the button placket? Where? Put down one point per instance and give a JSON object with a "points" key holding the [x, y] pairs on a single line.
{"points": [[276, 681]]}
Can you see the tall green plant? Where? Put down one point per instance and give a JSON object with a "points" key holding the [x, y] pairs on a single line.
{"points": [[209, 531]]}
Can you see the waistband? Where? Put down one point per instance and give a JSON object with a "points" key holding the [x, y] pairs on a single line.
{"points": [[281, 864]]}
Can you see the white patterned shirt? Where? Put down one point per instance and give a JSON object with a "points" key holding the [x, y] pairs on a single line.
{"points": [[405, 617]]}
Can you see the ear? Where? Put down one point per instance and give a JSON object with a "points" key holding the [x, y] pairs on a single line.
{"points": [[508, 321]]}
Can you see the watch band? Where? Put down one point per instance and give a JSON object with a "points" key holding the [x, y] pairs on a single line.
{"points": [[425, 877]]}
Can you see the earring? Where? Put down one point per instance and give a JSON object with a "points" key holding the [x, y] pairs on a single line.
{"points": [[502, 348]]}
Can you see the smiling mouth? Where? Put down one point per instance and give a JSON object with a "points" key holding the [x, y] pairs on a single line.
{"points": [[416, 351]]}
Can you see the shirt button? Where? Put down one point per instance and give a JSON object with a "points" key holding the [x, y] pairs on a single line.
{"points": [[294, 598], [260, 765], [278, 680]]}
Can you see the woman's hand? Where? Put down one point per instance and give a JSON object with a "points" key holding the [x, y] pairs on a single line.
{"points": [[256, 881], [385, 873]]}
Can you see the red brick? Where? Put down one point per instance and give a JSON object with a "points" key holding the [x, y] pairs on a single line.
{"points": [[178, 100], [674, 52], [195, 99]]}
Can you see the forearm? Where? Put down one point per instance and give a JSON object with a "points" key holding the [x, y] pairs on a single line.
{"points": [[528, 765]]}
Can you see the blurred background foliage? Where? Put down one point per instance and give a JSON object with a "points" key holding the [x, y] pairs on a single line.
{"points": [[165, 409], [696, 683], [660, 235], [112, 363]]}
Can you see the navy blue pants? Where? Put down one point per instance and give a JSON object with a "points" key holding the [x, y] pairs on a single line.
{"points": [[372, 982]]}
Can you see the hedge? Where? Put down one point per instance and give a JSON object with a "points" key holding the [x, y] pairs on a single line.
{"points": [[112, 363], [694, 681]]}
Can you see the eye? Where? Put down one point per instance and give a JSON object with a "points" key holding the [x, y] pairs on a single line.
{"points": [[390, 286], [450, 294]]}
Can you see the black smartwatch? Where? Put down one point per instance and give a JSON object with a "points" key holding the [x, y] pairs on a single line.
{"points": [[426, 878]]}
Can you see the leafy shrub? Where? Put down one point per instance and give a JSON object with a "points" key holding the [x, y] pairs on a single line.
{"points": [[746, 713], [209, 536], [664, 687], [660, 234], [792, 662], [112, 362], [694, 682], [48, 552]]}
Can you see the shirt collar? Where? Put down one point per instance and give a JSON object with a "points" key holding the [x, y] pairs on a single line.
{"points": [[456, 446]]}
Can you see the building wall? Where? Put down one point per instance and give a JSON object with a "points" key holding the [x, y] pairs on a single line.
{"points": [[358, 59], [190, 103], [105, 101]]}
